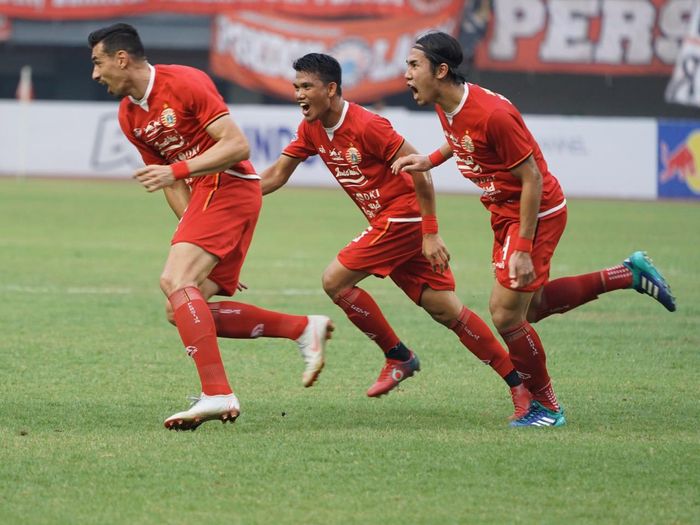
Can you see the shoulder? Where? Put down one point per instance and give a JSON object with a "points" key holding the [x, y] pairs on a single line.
{"points": [[176, 74]]}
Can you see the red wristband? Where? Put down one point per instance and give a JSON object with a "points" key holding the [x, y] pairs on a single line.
{"points": [[429, 224], [180, 170], [523, 245], [436, 158]]}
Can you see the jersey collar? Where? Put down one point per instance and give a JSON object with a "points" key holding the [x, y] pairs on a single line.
{"points": [[331, 131], [459, 107], [143, 103]]}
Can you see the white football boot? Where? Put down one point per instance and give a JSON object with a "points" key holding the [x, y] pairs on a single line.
{"points": [[225, 407], [312, 346]]}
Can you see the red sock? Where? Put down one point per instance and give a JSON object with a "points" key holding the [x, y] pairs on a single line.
{"points": [[527, 354], [475, 334], [244, 321], [198, 333], [364, 313], [562, 295]]}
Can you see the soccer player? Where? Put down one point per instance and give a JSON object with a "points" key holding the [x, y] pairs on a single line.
{"points": [[197, 155], [496, 151], [402, 241]]}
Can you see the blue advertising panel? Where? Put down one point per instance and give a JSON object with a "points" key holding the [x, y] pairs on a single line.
{"points": [[679, 159]]}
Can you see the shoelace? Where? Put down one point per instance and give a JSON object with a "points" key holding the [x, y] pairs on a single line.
{"points": [[193, 400]]}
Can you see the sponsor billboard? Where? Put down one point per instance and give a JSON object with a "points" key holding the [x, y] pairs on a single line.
{"points": [[679, 159]]}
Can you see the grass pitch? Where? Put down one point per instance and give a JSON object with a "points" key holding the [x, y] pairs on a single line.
{"points": [[89, 369]]}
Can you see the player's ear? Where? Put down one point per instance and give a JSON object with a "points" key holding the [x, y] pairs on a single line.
{"points": [[441, 71], [122, 58], [332, 89]]}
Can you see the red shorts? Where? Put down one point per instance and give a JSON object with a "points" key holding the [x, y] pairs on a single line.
{"points": [[221, 218], [396, 251], [549, 231]]}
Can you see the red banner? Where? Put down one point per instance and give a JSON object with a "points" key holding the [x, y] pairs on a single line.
{"points": [[5, 28], [610, 37], [74, 9], [257, 50]]}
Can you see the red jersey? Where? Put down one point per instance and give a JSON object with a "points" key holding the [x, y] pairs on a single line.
{"points": [[169, 123], [358, 151], [489, 138]]}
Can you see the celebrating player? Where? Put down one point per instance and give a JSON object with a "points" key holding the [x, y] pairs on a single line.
{"points": [[402, 241], [496, 151], [197, 155]]}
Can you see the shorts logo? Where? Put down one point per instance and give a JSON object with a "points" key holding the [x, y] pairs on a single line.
{"points": [[468, 143], [257, 331], [353, 155], [168, 118], [191, 350]]}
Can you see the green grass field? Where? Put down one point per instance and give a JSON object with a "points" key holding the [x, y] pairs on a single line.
{"points": [[89, 369]]}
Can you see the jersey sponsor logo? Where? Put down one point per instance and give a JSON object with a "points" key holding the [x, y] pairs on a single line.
{"points": [[468, 143], [351, 176], [353, 156], [168, 117]]}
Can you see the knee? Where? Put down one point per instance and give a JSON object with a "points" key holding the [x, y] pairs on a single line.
{"points": [[168, 284], [443, 307], [331, 286], [504, 319]]}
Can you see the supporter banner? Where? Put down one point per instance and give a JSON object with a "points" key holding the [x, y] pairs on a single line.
{"points": [[257, 50], [684, 87], [611, 37], [591, 157], [73, 9], [679, 159]]}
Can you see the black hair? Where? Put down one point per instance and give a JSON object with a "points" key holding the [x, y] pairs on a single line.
{"points": [[118, 37], [441, 48], [325, 66]]}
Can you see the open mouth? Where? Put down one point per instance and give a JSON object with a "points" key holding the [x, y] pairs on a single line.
{"points": [[305, 108]]}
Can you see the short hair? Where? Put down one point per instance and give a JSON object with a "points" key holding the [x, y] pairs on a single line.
{"points": [[325, 66], [441, 48], [118, 37]]}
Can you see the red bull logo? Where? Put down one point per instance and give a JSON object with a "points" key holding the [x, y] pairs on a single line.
{"points": [[679, 166]]}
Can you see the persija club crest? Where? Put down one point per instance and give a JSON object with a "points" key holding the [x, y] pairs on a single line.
{"points": [[168, 118], [468, 143], [352, 155]]}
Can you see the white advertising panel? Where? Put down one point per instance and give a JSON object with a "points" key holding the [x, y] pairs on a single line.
{"points": [[592, 157]]}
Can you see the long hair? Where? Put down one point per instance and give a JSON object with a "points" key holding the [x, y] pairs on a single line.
{"points": [[441, 48]]}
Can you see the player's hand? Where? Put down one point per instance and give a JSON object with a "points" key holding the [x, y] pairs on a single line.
{"points": [[155, 176], [520, 269], [435, 251], [413, 162], [241, 286]]}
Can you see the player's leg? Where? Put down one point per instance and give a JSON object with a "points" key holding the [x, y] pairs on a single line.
{"points": [[561, 295], [508, 309], [186, 267], [340, 283], [445, 307]]}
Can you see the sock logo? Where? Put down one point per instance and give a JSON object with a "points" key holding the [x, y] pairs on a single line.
{"points": [[532, 345], [359, 310], [257, 331], [370, 335], [193, 312], [191, 350], [524, 376], [230, 311]]}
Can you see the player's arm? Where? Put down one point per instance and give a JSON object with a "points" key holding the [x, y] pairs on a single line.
{"points": [[521, 269], [178, 197], [231, 147], [417, 162], [434, 248], [277, 175]]}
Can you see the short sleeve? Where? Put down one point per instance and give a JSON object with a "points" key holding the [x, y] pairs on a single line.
{"points": [[300, 147], [381, 139], [201, 97], [509, 137]]}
